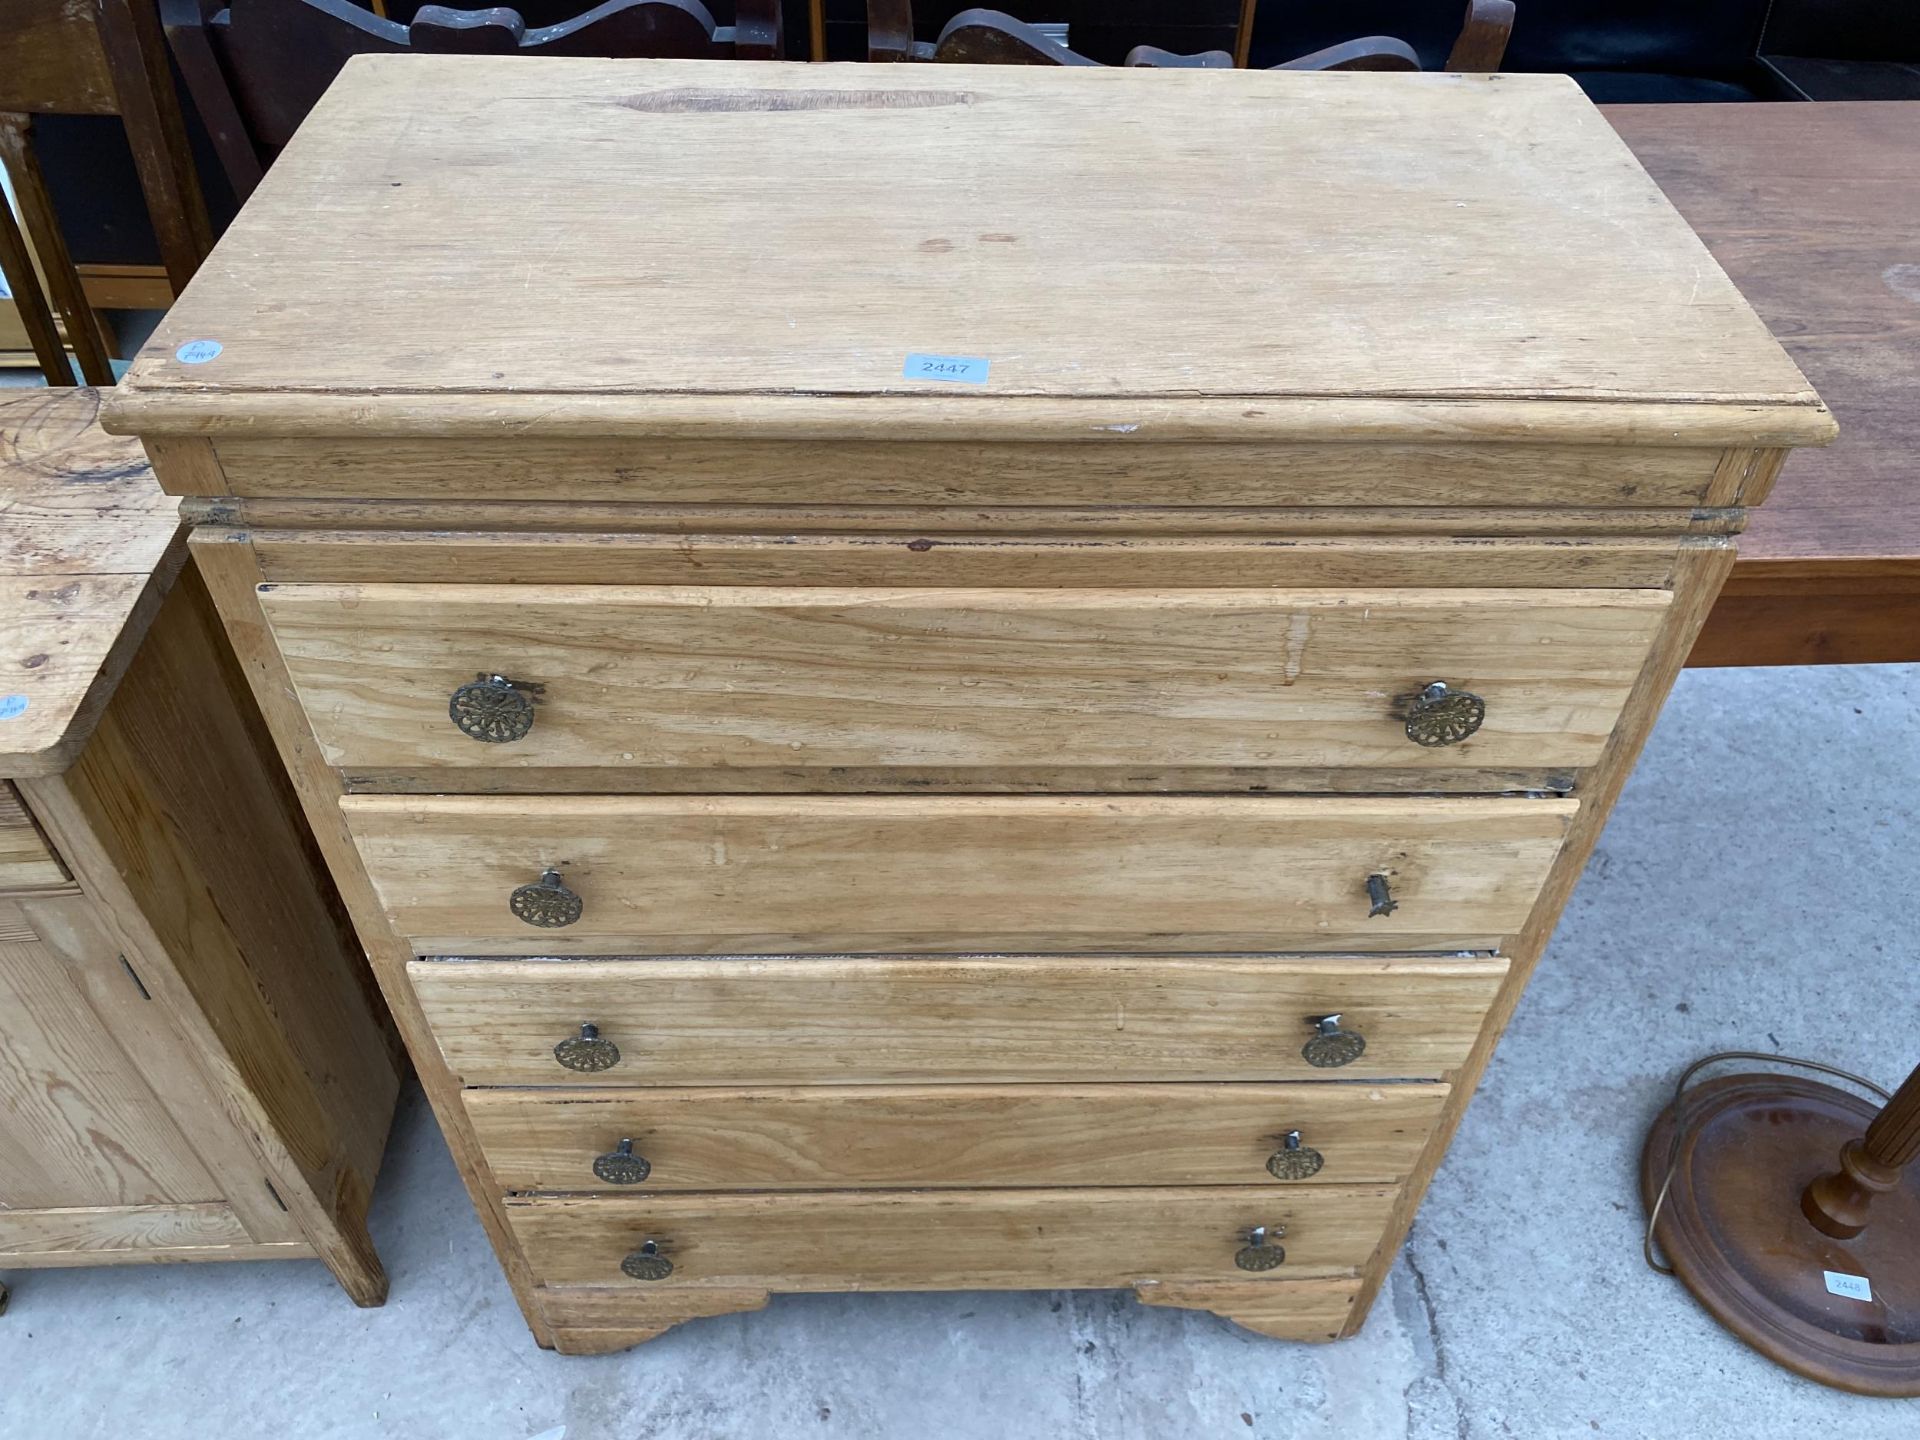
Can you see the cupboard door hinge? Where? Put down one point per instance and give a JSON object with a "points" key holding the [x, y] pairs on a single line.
{"points": [[134, 975]]}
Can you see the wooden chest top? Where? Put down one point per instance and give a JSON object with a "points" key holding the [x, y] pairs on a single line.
{"points": [[89, 545], [761, 248]]}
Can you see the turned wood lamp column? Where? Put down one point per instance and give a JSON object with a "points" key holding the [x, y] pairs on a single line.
{"points": [[1816, 1267], [1838, 1204]]}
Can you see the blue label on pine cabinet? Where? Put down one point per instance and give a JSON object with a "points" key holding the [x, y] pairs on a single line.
{"points": [[12, 705], [955, 369]]}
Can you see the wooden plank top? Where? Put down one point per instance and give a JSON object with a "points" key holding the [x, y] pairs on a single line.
{"points": [[576, 244], [88, 547], [1814, 209]]}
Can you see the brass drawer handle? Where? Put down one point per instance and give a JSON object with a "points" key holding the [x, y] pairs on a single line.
{"points": [[647, 1263], [1442, 716], [493, 709], [1330, 1047], [1294, 1160], [1257, 1254], [587, 1052], [620, 1166], [547, 902]]}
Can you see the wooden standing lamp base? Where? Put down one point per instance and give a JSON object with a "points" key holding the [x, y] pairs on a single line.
{"points": [[1744, 1149]]}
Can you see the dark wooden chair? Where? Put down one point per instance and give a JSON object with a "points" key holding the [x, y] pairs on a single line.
{"points": [[101, 58], [991, 37], [1101, 31], [256, 67]]}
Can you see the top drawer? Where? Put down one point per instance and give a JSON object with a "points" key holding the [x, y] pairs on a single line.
{"points": [[746, 676], [1110, 471]]}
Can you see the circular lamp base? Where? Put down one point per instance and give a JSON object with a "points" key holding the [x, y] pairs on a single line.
{"points": [[1733, 1232]]}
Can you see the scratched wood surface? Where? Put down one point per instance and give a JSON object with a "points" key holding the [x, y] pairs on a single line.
{"points": [[1392, 242], [800, 873], [920, 1136], [934, 1240], [82, 1125], [770, 676], [88, 545], [1013, 1019]]}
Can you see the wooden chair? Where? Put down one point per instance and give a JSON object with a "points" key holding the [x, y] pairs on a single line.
{"points": [[990, 37], [1097, 25], [102, 58], [256, 67]]}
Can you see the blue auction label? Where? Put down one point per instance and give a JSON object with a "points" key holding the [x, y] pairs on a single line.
{"points": [[955, 369], [197, 352], [12, 705]]}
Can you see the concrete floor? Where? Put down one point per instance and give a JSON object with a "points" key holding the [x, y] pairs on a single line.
{"points": [[1749, 893]]}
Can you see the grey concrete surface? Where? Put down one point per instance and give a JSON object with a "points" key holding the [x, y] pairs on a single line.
{"points": [[1750, 892]]}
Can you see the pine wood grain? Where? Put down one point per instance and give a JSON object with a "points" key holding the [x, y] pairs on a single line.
{"points": [[959, 780], [81, 1126], [749, 875], [1209, 274], [276, 523], [86, 1235], [932, 1240], [27, 862], [1309, 1310], [962, 1136], [599, 1319], [210, 885], [1117, 463], [1014, 1019], [754, 676], [232, 578], [107, 965], [590, 1320], [88, 545], [1567, 365], [1700, 578], [907, 556]]}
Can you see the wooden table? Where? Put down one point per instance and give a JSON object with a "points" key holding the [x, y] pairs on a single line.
{"points": [[1814, 210]]}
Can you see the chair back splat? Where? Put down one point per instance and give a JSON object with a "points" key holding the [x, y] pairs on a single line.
{"points": [[261, 65]]}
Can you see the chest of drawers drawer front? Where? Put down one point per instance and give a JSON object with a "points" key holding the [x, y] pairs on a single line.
{"points": [[925, 1136], [933, 1240], [749, 676], [763, 875], [835, 1020]]}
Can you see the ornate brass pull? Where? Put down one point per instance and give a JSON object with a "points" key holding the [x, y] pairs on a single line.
{"points": [[587, 1052], [1293, 1160], [1330, 1047], [1380, 897], [1441, 716], [1257, 1254], [620, 1166], [546, 902], [493, 709], [647, 1263]]}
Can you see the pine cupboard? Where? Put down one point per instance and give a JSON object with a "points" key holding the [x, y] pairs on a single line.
{"points": [[989, 677], [193, 1062]]}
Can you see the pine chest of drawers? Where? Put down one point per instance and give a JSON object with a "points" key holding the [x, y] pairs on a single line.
{"points": [[941, 677]]}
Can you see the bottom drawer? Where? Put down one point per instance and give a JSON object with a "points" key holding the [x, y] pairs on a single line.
{"points": [[951, 1240], [928, 1136]]}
